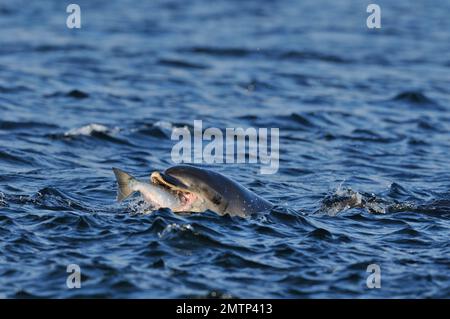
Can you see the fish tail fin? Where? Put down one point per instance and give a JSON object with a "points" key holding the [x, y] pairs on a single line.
{"points": [[124, 180]]}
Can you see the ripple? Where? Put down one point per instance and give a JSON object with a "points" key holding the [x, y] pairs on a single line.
{"points": [[7, 157], [159, 129], [75, 94], [321, 234], [414, 97], [172, 228], [213, 294], [311, 55], [221, 52], [14, 89], [181, 64], [230, 260], [12, 125], [3, 200]]}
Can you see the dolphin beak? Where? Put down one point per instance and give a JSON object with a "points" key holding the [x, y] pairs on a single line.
{"points": [[167, 181]]}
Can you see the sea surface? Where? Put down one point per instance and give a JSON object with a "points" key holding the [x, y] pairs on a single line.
{"points": [[364, 172]]}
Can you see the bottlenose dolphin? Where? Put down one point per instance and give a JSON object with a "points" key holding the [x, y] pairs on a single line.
{"points": [[185, 188]]}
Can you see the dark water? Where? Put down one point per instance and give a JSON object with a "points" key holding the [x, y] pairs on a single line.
{"points": [[364, 119]]}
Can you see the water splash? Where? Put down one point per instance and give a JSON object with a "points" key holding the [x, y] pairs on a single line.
{"points": [[90, 129], [344, 198], [138, 206]]}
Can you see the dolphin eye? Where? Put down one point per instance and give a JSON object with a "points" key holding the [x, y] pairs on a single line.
{"points": [[216, 199]]}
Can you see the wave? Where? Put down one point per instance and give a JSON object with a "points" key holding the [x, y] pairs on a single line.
{"points": [[8, 157], [12, 125], [220, 51], [160, 128], [3, 200], [213, 294], [76, 94], [171, 228], [89, 129], [44, 48], [97, 131], [414, 97], [14, 89], [274, 54], [49, 198], [182, 64]]}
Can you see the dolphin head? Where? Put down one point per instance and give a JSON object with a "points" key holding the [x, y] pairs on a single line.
{"points": [[199, 188], [202, 189]]}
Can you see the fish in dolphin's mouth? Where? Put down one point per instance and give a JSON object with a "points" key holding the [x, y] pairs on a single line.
{"points": [[176, 187]]}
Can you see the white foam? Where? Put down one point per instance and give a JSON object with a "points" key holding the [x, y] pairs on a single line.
{"points": [[140, 207], [175, 227], [88, 130]]}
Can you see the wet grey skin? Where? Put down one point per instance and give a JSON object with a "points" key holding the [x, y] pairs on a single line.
{"points": [[185, 188]]}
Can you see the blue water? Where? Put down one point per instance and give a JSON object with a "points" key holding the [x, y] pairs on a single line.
{"points": [[364, 119]]}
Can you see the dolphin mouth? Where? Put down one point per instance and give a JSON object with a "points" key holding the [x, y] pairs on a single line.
{"points": [[176, 187], [168, 181]]}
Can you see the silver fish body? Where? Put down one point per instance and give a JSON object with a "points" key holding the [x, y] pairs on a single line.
{"points": [[157, 195]]}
